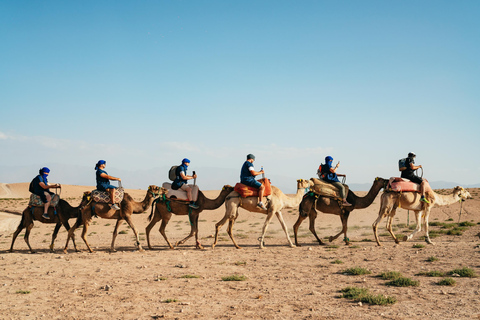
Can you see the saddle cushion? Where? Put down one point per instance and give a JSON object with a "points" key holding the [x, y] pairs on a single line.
{"points": [[404, 185], [36, 201], [246, 191], [326, 189], [180, 194], [104, 196]]}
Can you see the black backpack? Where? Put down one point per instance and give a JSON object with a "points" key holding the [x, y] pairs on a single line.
{"points": [[402, 164], [172, 173]]}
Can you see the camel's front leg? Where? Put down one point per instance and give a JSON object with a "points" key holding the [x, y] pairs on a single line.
{"points": [[284, 227], [418, 228], [130, 223], [265, 227], [54, 235], [425, 225]]}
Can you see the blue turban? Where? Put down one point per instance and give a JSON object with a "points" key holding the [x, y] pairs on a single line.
{"points": [[100, 162]]}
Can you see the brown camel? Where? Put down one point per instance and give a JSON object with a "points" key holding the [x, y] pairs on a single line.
{"points": [[127, 207], [277, 202], [64, 212], [313, 203], [390, 201], [164, 208]]}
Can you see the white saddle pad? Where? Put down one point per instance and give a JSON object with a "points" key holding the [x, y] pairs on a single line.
{"points": [[180, 194]]}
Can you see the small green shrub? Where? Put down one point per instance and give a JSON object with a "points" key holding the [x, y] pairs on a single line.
{"points": [[433, 273], [234, 278], [123, 232], [432, 259], [418, 246], [356, 271], [390, 275], [23, 291], [464, 272], [447, 282], [170, 300], [403, 282], [362, 294], [353, 292], [466, 224], [190, 276], [241, 263]]}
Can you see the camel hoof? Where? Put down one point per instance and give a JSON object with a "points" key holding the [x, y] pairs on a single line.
{"points": [[330, 239], [397, 241], [238, 247], [33, 251], [298, 245], [429, 241], [405, 238]]}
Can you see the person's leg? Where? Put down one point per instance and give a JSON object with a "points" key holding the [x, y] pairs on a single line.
{"points": [[187, 188], [341, 188], [111, 192], [48, 197], [261, 191]]}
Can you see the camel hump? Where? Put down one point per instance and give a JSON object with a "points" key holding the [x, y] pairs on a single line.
{"points": [[326, 189]]}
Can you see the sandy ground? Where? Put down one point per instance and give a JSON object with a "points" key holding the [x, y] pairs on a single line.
{"points": [[280, 282]]}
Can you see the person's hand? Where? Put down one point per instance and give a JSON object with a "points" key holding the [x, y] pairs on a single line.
{"points": [[420, 166], [118, 179], [58, 185], [194, 176]]}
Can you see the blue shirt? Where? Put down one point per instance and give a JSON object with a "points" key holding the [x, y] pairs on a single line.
{"points": [[101, 180], [179, 182], [245, 173], [329, 176]]}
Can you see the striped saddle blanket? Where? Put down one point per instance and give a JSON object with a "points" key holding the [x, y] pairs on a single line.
{"points": [[36, 201], [104, 196]]}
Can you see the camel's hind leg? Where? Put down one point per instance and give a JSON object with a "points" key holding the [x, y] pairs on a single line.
{"points": [[218, 225], [312, 217], [84, 235], [114, 236], [130, 223], [156, 217], [389, 225], [295, 228], [27, 236], [418, 228], [230, 233]]}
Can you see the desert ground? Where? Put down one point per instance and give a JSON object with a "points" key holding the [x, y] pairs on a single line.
{"points": [[278, 282]]}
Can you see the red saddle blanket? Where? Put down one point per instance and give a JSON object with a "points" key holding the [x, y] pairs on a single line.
{"points": [[246, 191], [404, 185]]}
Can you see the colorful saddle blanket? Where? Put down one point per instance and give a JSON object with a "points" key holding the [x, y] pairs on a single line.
{"points": [[104, 196], [36, 201], [404, 185], [246, 191], [180, 194], [326, 189]]}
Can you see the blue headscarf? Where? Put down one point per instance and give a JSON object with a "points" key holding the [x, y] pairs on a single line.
{"points": [[42, 173], [100, 162], [185, 160]]}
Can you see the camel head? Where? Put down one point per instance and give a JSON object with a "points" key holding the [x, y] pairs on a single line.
{"points": [[86, 199], [462, 193], [163, 191], [304, 184], [381, 180], [154, 190], [228, 188]]}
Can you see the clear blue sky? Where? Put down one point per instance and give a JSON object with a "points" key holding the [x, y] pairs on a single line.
{"points": [[147, 83]]}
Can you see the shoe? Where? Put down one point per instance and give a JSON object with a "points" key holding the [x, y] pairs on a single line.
{"points": [[114, 206], [193, 206], [423, 199], [346, 204], [261, 206], [45, 216]]}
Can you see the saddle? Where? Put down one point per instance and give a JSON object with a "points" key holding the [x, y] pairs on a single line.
{"points": [[325, 189], [36, 201], [104, 196], [180, 194], [246, 191], [396, 184]]}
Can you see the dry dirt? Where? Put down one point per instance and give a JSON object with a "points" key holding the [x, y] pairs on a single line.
{"points": [[280, 282]]}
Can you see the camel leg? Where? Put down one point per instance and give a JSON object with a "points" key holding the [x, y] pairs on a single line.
{"points": [[165, 221], [54, 235], [418, 228], [84, 235], [130, 223], [27, 235], [389, 224], [155, 219], [312, 217], [295, 228], [344, 219], [67, 226], [375, 228], [193, 232], [425, 225], [284, 227], [71, 234], [265, 227], [114, 236], [17, 232], [229, 231], [218, 225]]}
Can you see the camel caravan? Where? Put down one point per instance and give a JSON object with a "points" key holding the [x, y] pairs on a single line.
{"points": [[325, 194]]}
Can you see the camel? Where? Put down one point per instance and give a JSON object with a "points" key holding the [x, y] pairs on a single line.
{"points": [[390, 201], [164, 208], [64, 212], [127, 207], [313, 203], [277, 202]]}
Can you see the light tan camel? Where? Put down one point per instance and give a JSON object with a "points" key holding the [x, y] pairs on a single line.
{"points": [[64, 212], [127, 207], [390, 201], [277, 202], [313, 203], [163, 209]]}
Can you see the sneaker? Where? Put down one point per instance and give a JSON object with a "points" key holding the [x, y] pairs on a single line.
{"points": [[45, 216], [423, 199], [193, 206], [114, 206], [346, 204], [261, 206]]}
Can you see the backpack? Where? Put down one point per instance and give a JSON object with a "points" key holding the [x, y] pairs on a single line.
{"points": [[172, 175], [402, 164], [30, 187]]}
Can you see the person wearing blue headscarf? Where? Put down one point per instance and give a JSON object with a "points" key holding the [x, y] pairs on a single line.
{"points": [[103, 182], [40, 186], [181, 181], [329, 174]]}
